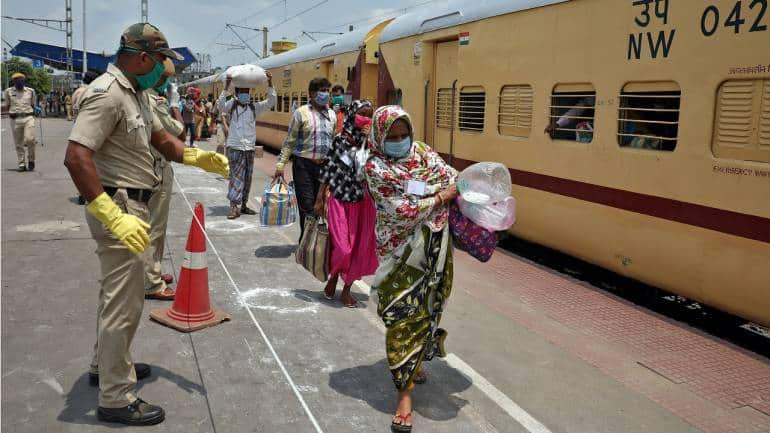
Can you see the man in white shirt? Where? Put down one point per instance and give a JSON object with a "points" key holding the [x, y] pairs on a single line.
{"points": [[241, 141]]}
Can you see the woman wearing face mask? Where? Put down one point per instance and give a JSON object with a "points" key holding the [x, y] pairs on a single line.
{"points": [[411, 186], [241, 141], [351, 211]]}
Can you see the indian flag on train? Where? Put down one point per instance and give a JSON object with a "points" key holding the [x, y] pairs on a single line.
{"points": [[465, 38]]}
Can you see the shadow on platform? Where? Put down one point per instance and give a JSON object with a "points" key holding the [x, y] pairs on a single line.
{"points": [[82, 401], [275, 251], [434, 400]]}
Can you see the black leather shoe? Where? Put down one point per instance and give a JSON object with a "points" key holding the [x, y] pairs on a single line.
{"points": [[137, 413], [248, 211], [22, 167], [31, 166], [142, 371]]}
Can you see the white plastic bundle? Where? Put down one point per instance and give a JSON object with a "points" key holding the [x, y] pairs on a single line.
{"points": [[245, 75], [485, 195]]}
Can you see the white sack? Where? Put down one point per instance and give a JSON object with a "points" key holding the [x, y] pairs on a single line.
{"points": [[245, 75]]}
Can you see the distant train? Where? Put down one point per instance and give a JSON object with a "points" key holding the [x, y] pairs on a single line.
{"points": [[656, 160]]}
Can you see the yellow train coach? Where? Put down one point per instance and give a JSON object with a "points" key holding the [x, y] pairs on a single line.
{"points": [[637, 133]]}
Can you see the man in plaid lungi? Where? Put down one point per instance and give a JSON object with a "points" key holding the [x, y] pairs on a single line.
{"points": [[240, 145], [241, 170]]}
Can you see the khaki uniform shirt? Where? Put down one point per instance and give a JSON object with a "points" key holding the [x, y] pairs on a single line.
{"points": [[20, 101], [161, 109], [116, 122], [76, 96]]}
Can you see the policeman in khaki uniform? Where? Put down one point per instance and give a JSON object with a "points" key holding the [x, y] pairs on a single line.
{"points": [[110, 160], [21, 100], [167, 110]]}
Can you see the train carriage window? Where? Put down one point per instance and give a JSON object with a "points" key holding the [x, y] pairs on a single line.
{"points": [[472, 107], [648, 117], [742, 126], [444, 109], [286, 103], [572, 112], [395, 97], [303, 98], [515, 110], [294, 101]]}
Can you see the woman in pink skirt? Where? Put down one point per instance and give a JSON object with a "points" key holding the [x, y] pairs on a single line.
{"points": [[349, 207]]}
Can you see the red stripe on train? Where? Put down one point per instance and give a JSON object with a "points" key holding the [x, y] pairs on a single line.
{"points": [[725, 221], [733, 223]]}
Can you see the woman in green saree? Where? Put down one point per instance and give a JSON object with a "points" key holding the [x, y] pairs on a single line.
{"points": [[411, 186]]}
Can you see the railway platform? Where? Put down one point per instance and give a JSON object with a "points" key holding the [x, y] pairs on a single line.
{"points": [[531, 350]]}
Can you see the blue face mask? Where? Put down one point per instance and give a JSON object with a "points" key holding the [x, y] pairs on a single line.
{"points": [[322, 98], [398, 149], [243, 98]]}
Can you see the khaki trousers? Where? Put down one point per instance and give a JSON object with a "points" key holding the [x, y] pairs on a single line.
{"points": [[24, 138], [159, 206], [121, 300]]}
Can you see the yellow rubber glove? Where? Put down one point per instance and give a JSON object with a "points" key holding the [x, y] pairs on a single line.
{"points": [[129, 229], [210, 161]]}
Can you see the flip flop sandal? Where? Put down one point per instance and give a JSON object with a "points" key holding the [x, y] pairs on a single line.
{"points": [[166, 294], [400, 427], [327, 297], [353, 305]]}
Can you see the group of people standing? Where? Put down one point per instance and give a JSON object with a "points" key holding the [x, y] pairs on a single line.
{"points": [[387, 214]]}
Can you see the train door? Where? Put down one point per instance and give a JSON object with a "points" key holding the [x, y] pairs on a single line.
{"points": [[445, 79]]}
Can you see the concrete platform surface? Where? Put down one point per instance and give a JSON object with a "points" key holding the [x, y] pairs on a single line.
{"points": [[531, 350]]}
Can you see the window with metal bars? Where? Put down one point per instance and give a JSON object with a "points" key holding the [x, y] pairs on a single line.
{"points": [[470, 114], [514, 116], [742, 126], [303, 98], [444, 109], [649, 116], [285, 103], [395, 96], [572, 112]]}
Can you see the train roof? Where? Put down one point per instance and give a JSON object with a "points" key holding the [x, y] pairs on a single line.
{"points": [[334, 45], [434, 17], [343, 43]]}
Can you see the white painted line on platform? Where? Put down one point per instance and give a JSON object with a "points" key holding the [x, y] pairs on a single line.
{"points": [[503, 401], [509, 406], [285, 372]]}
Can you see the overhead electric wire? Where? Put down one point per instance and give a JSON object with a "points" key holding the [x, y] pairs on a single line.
{"points": [[394, 10], [242, 20]]}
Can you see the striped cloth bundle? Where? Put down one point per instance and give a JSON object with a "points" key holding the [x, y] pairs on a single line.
{"points": [[279, 205]]}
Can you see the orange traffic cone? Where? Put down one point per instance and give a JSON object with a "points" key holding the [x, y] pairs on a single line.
{"points": [[192, 310]]}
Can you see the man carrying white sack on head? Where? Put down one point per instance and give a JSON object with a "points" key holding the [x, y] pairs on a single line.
{"points": [[241, 140]]}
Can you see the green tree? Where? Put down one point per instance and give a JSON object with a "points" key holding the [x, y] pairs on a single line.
{"points": [[38, 79]]}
